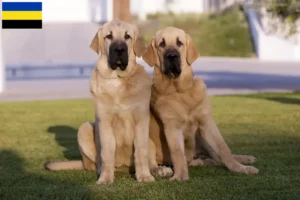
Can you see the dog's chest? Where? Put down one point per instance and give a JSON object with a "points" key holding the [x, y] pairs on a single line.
{"points": [[112, 95], [113, 87]]}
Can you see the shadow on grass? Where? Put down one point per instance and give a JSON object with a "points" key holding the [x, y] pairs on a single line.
{"points": [[285, 100], [292, 98], [17, 183], [66, 137]]}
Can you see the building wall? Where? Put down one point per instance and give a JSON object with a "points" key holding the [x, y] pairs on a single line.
{"points": [[77, 10]]}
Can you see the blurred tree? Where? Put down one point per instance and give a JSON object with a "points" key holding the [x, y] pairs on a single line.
{"points": [[287, 10], [121, 10], [282, 16]]}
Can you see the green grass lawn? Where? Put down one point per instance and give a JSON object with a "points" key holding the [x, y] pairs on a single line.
{"points": [[266, 126], [225, 34]]}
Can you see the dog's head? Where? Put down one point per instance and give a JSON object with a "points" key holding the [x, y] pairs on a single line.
{"points": [[119, 43], [171, 49]]}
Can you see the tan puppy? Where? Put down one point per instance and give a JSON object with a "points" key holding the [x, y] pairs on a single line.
{"points": [[158, 147], [182, 110], [121, 92]]}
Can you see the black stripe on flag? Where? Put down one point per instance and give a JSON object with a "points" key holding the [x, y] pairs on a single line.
{"points": [[22, 24]]}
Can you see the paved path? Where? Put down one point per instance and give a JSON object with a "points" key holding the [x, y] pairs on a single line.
{"points": [[69, 43], [222, 76]]}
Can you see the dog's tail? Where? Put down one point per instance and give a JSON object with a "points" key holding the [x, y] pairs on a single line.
{"points": [[64, 165]]}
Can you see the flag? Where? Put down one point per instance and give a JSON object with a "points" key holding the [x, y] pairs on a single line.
{"points": [[22, 15]]}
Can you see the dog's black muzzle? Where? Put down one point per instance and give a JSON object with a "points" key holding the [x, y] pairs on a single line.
{"points": [[118, 55], [172, 63]]}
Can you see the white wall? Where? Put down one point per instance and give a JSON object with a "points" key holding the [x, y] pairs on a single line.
{"points": [[65, 10], [77, 10]]}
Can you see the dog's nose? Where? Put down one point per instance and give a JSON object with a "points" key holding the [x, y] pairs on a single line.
{"points": [[172, 55], [119, 49]]}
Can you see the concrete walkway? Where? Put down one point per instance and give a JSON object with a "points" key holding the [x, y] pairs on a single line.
{"points": [[222, 76]]}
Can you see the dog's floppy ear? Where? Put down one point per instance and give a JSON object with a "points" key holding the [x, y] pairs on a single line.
{"points": [[149, 56], [139, 46], [96, 43], [191, 51]]}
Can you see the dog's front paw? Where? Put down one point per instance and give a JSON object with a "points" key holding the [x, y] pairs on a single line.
{"points": [[180, 177], [196, 162], [162, 172], [145, 178], [105, 180]]}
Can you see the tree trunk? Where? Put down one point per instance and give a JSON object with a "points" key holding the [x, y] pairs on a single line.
{"points": [[122, 10]]}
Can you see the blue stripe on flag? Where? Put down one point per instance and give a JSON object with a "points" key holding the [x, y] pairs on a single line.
{"points": [[22, 6]]}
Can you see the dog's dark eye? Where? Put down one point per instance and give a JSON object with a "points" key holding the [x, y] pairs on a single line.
{"points": [[179, 43], [162, 44], [127, 36], [109, 36]]}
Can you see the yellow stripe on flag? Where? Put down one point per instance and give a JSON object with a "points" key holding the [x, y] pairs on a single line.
{"points": [[22, 15]]}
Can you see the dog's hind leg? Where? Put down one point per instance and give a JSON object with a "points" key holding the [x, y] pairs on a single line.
{"points": [[219, 149], [85, 138], [87, 163], [205, 154], [244, 159], [86, 143]]}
